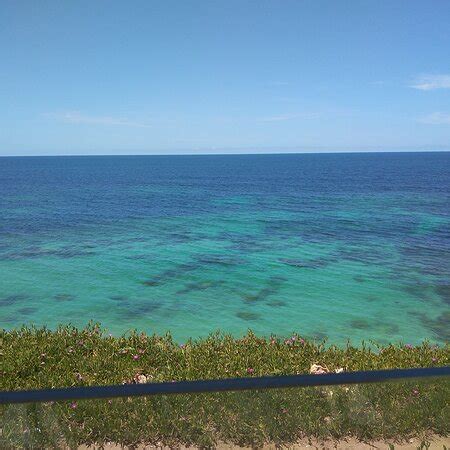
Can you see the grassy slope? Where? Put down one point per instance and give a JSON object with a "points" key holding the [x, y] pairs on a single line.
{"points": [[35, 358]]}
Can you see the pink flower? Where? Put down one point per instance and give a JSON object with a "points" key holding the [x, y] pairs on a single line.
{"points": [[73, 405], [434, 359], [250, 370], [410, 346], [284, 410], [415, 392], [135, 357]]}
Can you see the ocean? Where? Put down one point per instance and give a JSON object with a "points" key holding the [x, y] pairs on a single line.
{"points": [[338, 246]]}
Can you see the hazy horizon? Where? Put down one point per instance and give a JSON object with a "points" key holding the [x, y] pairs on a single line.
{"points": [[235, 153]]}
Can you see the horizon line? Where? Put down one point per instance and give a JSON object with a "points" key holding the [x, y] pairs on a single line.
{"points": [[225, 153]]}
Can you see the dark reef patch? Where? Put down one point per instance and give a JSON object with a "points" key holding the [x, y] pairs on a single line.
{"points": [[27, 310], [180, 237], [437, 269], [89, 246], [426, 257], [155, 282], [247, 315], [119, 298], [359, 279], [134, 239], [140, 257], [64, 297], [9, 318], [418, 290], [427, 250], [245, 243], [248, 247], [390, 328], [282, 227], [319, 336], [443, 290], [38, 252], [169, 274], [72, 253], [360, 324], [362, 255], [293, 262], [387, 328], [273, 286], [130, 309], [439, 326], [220, 260], [13, 299], [307, 263], [276, 303]]}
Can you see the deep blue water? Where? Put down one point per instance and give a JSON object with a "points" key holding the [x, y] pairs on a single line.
{"points": [[340, 245]]}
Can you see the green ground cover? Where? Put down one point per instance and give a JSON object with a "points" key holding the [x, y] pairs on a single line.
{"points": [[40, 358]]}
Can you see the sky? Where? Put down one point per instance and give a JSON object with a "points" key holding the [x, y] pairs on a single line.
{"points": [[232, 76]]}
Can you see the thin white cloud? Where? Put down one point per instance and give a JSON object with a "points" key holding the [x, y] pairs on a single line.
{"points": [[77, 117], [431, 82], [436, 118]]}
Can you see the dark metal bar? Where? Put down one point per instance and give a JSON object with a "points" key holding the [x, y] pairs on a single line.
{"points": [[229, 384]]}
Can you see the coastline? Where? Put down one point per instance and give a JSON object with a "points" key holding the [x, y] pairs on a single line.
{"points": [[68, 355]]}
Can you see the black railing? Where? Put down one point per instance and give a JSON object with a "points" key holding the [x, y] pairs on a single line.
{"points": [[229, 384]]}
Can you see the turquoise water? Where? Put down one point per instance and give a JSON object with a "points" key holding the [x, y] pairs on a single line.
{"points": [[338, 246]]}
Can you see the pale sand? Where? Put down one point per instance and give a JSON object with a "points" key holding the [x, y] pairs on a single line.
{"points": [[436, 443]]}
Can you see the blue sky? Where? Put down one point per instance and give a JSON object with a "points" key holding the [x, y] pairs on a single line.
{"points": [[239, 76]]}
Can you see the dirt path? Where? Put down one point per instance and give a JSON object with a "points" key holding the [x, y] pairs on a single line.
{"points": [[434, 443]]}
